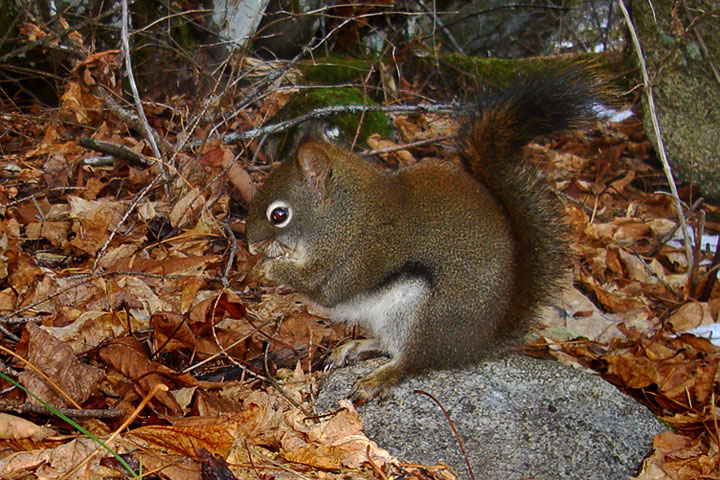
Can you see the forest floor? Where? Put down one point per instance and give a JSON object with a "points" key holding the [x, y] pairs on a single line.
{"points": [[127, 304]]}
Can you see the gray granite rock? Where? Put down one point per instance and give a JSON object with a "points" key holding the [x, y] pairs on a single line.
{"points": [[518, 417]]}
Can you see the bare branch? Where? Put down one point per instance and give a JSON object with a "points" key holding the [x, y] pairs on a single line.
{"points": [[146, 129], [647, 88], [328, 111]]}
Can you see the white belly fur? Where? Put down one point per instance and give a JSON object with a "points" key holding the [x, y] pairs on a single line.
{"points": [[388, 313]]}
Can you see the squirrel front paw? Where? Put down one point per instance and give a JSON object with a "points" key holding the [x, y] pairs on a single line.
{"points": [[352, 352], [377, 383]]}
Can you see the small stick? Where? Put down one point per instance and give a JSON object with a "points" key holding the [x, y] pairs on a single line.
{"points": [[454, 430], [147, 130], [117, 150], [68, 412]]}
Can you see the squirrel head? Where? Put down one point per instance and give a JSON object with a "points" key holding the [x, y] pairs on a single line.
{"points": [[298, 213]]}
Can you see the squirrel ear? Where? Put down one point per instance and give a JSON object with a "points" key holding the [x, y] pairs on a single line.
{"points": [[315, 163]]}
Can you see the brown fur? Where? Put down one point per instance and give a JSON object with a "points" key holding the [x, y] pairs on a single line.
{"points": [[479, 251]]}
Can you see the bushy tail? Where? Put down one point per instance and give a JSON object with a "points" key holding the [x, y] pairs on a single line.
{"points": [[494, 148]]}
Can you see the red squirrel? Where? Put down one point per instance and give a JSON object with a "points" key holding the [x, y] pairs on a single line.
{"points": [[443, 264]]}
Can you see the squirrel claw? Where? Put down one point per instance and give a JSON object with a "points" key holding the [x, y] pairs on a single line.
{"points": [[362, 393], [376, 384], [351, 352]]}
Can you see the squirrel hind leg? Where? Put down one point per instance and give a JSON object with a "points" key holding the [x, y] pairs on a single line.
{"points": [[354, 351], [378, 382]]}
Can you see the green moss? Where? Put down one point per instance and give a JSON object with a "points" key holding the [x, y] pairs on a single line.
{"points": [[475, 70], [312, 98], [461, 73], [334, 70]]}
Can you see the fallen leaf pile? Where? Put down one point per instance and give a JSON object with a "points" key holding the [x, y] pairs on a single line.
{"points": [[126, 303]]}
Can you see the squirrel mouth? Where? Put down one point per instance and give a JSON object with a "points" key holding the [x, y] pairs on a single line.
{"points": [[272, 249]]}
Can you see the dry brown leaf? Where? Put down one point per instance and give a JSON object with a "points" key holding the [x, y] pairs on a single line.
{"points": [[98, 67], [8, 300], [398, 157], [210, 311], [16, 428], [92, 222], [65, 457], [54, 463], [167, 467], [678, 458], [187, 207], [128, 356], [635, 372], [216, 434], [54, 232], [241, 180], [22, 271], [171, 331], [675, 379], [613, 299], [213, 434], [92, 329], [80, 103], [56, 360], [689, 316], [333, 443], [638, 270], [32, 32], [209, 405], [138, 294]]}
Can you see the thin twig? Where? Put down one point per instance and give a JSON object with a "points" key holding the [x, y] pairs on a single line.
{"points": [[140, 195], [432, 11], [668, 236], [373, 464], [68, 412], [9, 334], [452, 427], [231, 259], [711, 276], [22, 320], [160, 387], [699, 231], [132, 120], [677, 297], [647, 88], [53, 39], [327, 111], [146, 129]]}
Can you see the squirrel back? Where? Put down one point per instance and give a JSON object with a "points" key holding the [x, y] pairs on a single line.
{"points": [[442, 264]]}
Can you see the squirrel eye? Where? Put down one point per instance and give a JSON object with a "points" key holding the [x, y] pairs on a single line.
{"points": [[279, 213]]}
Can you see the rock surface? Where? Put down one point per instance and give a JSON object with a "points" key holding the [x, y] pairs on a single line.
{"points": [[518, 418]]}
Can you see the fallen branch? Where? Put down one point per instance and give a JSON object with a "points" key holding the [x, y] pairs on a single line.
{"points": [[117, 150], [330, 110], [110, 413]]}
